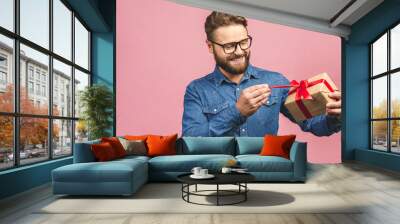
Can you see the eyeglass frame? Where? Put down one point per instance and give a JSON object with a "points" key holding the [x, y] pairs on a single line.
{"points": [[236, 44]]}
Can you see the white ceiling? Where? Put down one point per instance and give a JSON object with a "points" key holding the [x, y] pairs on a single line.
{"points": [[327, 16]]}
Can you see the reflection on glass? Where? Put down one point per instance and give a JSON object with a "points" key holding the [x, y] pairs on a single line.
{"points": [[62, 89], [6, 74], [379, 97], [62, 138], [33, 139], [395, 135], [34, 96], [35, 21], [379, 55], [81, 45], [81, 81], [395, 95], [62, 29], [395, 47], [81, 131], [7, 14], [6, 142], [379, 135]]}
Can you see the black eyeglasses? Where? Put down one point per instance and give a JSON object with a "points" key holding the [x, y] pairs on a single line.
{"points": [[229, 48]]}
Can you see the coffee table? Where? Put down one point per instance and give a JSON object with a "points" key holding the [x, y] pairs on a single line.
{"points": [[238, 179]]}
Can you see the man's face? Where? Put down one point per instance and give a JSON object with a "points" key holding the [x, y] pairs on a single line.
{"points": [[235, 63]]}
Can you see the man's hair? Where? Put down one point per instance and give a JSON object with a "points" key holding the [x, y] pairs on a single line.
{"points": [[218, 19]]}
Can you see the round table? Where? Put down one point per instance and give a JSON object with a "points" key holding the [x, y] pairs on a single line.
{"points": [[238, 179]]}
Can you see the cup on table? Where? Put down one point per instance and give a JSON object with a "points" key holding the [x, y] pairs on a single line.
{"points": [[196, 171], [203, 172], [226, 170]]}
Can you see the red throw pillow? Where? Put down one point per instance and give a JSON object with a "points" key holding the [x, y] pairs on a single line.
{"points": [[161, 145], [116, 145], [277, 145], [103, 151]]}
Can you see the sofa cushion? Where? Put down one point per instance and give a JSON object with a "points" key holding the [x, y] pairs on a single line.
{"points": [[131, 158], [277, 145], [257, 163], [96, 172], [207, 145], [159, 145], [185, 163], [103, 152], [116, 145], [249, 145], [134, 147]]}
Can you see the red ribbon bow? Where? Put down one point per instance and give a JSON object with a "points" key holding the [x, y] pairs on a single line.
{"points": [[302, 92]]}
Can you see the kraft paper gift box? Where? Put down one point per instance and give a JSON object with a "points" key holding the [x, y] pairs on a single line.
{"points": [[308, 98]]}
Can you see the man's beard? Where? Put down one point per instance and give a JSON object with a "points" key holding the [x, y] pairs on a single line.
{"points": [[233, 69]]}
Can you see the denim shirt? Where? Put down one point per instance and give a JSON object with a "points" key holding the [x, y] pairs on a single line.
{"points": [[210, 107]]}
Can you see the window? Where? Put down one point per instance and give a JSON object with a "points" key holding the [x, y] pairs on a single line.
{"points": [[3, 78], [6, 73], [6, 142], [3, 72], [44, 91], [3, 61], [38, 74], [47, 75], [7, 14], [81, 81], [37, 89], [385, 96], [62, 74], [30, 72], [62, 29], [30, 87], [35, 21], [62, 137], [81, 45]]}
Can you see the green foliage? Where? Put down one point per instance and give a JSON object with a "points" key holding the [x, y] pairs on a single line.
{"points": [[97, 104], [380, 127]]}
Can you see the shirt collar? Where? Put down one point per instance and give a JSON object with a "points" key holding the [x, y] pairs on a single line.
{"points": [[219, 77]]}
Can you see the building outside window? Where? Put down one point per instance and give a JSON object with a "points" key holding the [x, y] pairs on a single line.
{"points": [[35, 71]]}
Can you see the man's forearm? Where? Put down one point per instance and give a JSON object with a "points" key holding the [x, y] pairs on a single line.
{"points": [[322, 125]]}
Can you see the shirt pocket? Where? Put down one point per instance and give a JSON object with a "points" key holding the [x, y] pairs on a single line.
{"points": [[269, 111], [215, 108], [272, 100]]}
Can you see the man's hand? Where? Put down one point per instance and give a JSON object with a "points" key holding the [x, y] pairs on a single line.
{"points": [[252, 98], [334, 108]]}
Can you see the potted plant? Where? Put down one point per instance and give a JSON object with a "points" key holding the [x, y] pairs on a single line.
{"points": [[96, 102]]}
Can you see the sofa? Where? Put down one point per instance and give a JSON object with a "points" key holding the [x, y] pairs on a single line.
{"points": [[125, 176]]}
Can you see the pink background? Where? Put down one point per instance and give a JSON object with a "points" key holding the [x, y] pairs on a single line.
{"points": [[161, 48]]}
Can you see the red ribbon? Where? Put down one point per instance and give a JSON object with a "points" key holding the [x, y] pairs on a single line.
{"points": [[302, 92]]}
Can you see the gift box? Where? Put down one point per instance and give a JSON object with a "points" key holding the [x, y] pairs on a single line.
{"points": [[308, 98]]}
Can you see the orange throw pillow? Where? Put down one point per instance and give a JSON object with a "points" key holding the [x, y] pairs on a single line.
{"points": [[136, 137], [277, 145], [161, 145], [103, 151], [116, 145]]}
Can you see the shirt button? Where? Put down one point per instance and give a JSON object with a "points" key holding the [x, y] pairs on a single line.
{"points": [[267, 101], [215, 110], [237, 89], [243, 129]]}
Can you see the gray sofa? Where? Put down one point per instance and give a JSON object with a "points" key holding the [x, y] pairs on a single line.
{"points": [[125, 176]]}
